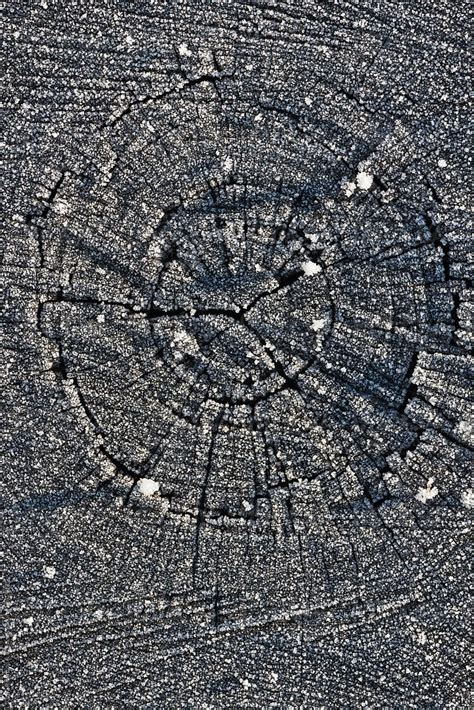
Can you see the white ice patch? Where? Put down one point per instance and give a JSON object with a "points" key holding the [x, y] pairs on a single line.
{"points": [[364, 180], [308, 101], [310, 268], [147, 486], [442, 163], [100, 318], [29, 621], [427, 493], [49, 572]]}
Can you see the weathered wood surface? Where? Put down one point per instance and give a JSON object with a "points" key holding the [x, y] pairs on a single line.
{"points": [[237, 340]]}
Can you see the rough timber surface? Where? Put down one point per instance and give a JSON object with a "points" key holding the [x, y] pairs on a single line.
{"points": [[237, 336]]}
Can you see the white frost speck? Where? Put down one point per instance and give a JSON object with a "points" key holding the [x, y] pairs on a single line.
{"points": [[465, 429], [308, 101], [228, 164], [185, 342], [427, 493], [100, 318], [442, 163], [310, 268], [49, 572], [61, 207], [317, 324], [147, 486], [98, 614], [29, 621], [364, 180], [467, 498], [349, 188], [184, 50], [247, 506]]}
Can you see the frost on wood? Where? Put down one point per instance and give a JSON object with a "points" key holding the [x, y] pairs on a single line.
{"points": [[237, 336]]}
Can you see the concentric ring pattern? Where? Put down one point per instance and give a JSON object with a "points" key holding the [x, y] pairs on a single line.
{"points": [[238, 329], [250, 289]]}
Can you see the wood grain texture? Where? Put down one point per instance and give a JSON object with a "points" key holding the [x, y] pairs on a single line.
{"points": [[237, 338]]}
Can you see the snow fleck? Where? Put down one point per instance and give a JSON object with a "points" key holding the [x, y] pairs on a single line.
{"points": [[467, 498], [442, 163], [308, 101], [184, 50], [228, 164], [349, 188], [186, 342], [310, 268], [247, 506], [364, 180], [245, 683], [100, 318], [49, 572], [465, 429], [98, 614], [61, 207], [147, 486], [317, 324], [427, 493], [29, 621]]}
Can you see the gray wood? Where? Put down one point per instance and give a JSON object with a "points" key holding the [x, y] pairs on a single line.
{"points": [[237, 334]]}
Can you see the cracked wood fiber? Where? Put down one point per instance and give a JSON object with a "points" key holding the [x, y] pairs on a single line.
{"points": [[237, 326]]}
